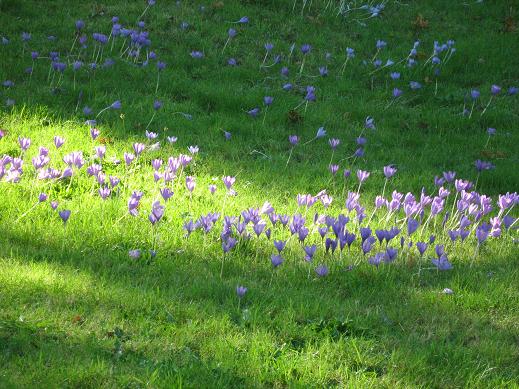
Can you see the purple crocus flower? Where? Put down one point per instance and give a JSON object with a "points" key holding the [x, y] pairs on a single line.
{"points": [[305, 49], [197, 54], [508, 221], [279, 245], [157, 211], [276, 260], [229, 181], [439, 249], [116, 104], [421, 246], [134, 254], [389, 171], [268, 100], [322, 270], [104, 192], [138, 148], [334, 143], [166, 193], [114, 181], [161, 65], [495, 90], [254, 112], [58, 141], [333, 169], [390, 254], [362, 176], [474, 94], [376, 259], [42, 197], [368, 244], [64, 215], [369, 123], [481, 234], [321, 132], [24, 143], [397, 93], [228, 244], [240, 291], [415, 85], [449, 176], [288, 86], [190, 183], [412, 226], [128, 158], [483, 165], [442, 263], [310, 252], [293, 139]]}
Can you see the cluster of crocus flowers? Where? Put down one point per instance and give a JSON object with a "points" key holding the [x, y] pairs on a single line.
{"points": [[472, 217]]}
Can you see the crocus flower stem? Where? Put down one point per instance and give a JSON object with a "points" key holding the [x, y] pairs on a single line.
{"points": [[488, 105], [454, 203], [221, 268], [121, 218], [289, 156], [226, 43], [73, 44], [476, 251], [157, 85], [152, 117], [265, 115], [486, 144], [307, 142], [302, 65], [331, 159], [426, 223], [300, 104], [344, 66], [477, 179], [143, 12], [25, 213], [264, 59], [271, 276], [100, 112], [375, 56], [471, 110], [384, 188]]}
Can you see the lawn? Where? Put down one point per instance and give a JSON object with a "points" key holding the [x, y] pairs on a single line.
{"points": [[117, 267]]}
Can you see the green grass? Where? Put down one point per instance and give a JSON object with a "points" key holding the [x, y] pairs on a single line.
{"points": [[76, 311]]}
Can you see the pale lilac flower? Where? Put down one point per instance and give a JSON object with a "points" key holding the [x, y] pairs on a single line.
{"points": [[362, 175]]}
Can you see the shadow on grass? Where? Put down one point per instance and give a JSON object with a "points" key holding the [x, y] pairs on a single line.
{"points": [[179, 322]]}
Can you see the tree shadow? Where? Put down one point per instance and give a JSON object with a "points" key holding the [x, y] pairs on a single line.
{"points": [[384, 313]]}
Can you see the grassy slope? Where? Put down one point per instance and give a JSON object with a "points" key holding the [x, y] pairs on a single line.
{"points": [[75, 311]]}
